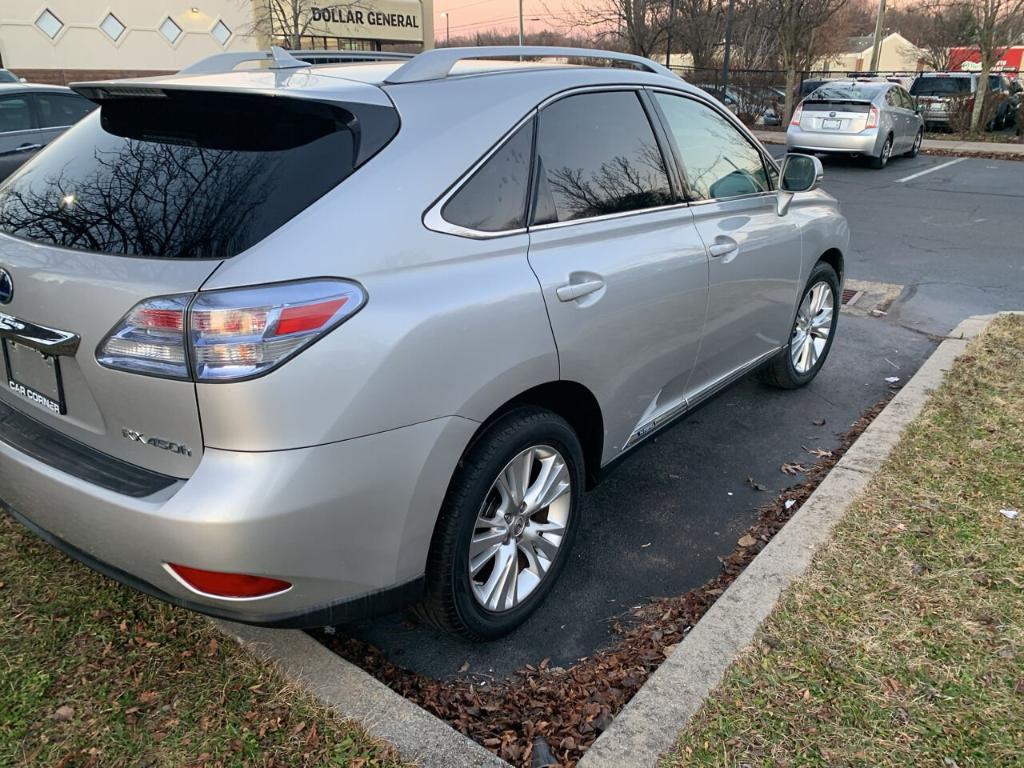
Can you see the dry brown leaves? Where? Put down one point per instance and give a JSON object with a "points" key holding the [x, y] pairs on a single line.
{"points": [[567, 709]]}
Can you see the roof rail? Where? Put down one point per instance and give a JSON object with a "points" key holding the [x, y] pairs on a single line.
{"points": [[225, 62], [436, 64]]}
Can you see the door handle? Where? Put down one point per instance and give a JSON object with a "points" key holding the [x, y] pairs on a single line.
{"points": [[574, 291], [723, 247], [22, 148]]}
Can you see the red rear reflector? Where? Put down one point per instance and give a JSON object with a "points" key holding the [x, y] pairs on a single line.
{"points": [[308, 317], [228, 584]]}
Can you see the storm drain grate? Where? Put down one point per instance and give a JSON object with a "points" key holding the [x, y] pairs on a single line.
{"points": [[850, 296]]}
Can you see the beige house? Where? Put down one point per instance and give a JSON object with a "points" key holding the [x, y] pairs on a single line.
{"points": [[61, 41], [896, 54]]}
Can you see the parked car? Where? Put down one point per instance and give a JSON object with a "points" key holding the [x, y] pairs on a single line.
{"points": [[754, 105], [341, 360], [937, 92], [31, 116], [728, 96], [870, 119], [6, 76], [807, 87]]}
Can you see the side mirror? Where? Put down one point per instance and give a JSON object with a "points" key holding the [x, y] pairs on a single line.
{"points": [[800, 173]]}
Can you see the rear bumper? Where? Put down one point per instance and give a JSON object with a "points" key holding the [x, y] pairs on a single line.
{"points": [[347, 524], [867, 142]]}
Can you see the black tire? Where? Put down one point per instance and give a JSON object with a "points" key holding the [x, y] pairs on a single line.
{"points": [[449, 602], [916, 148], [880, 162], [780, 371]]}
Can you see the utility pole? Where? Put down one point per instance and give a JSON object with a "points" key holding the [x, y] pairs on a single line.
{"points": [[447, 28], [728, 48], [876, 50], [668, 37], [520, 23]]}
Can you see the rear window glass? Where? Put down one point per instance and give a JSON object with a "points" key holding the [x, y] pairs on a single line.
{"points": [[855, 92], [940, 86], [190, 175]]}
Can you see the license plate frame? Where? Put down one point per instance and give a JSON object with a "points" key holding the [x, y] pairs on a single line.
{"points": [[831, 123], [24, 362]]}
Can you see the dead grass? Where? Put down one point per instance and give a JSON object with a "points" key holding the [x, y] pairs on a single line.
{"points": [[904, 643], [95, 674]]}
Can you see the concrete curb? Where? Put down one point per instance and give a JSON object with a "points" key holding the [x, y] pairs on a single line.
{"points": [[964, 148], [649, 724], [418, 736]]}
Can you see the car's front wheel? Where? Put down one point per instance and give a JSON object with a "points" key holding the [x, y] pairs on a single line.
{"points": [[814, 328], [506, 526]]}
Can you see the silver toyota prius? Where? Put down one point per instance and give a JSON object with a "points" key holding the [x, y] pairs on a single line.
{"points": [[875, 120], [296, 344]]}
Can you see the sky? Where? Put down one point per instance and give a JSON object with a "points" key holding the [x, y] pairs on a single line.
{"points": [[468, 16]]}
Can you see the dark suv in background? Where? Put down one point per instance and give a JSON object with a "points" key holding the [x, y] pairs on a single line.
{"points": [[937, 93]]}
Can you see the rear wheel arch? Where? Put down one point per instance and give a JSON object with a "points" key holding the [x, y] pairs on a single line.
{"points": [[573, 402]]}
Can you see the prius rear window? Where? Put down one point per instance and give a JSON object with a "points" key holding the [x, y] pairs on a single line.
{"points": [[188, 175]]}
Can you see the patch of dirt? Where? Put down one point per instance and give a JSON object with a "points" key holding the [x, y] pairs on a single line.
{"points": [[558, 713], [969, 153]]}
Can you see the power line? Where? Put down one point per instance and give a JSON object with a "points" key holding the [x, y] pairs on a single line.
{"points": [[466, 5], [502, 20]]}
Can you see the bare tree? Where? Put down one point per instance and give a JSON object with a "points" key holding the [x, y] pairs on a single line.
{"points": [[288, 21], [802, 29], [699, 26], [754, 45], [934, 29], [637, 26], [995, 26]]}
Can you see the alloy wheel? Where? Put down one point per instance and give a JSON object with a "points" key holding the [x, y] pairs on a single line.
{"points": [[520, 528], [813, 326]]}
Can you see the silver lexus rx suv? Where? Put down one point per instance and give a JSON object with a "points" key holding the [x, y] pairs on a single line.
{"points": [[296, 343]]}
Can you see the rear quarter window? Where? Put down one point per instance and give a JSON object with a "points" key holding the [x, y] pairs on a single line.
{"points": [[494, 198], [189, 175]]}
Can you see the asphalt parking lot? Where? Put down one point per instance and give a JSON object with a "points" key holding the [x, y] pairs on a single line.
{"points": [[949, 232]]}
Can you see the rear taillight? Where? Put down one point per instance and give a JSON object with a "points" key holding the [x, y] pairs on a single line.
{"points": [[149, 339], [796, 115], [872, 121], [227, 335]]}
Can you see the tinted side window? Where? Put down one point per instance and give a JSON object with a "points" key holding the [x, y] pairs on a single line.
{"points": [[15, 114], [494, 199], [718, 159], [58, 109], [597, 155], [892, 98]]}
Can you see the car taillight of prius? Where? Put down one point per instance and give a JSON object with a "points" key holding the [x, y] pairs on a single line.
{"points": [[872, 121], [227, 335], [796, 114]]}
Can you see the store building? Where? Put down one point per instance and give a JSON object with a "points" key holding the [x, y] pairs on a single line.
{"points": [[61, 41]]}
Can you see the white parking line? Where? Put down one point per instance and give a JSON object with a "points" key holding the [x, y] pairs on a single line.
{"points": [[936, 168]]}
